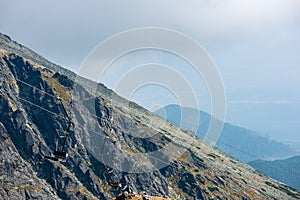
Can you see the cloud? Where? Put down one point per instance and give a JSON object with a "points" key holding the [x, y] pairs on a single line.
{"points": [[65, 31], [234, 19], [263, 102], [208, 17]]}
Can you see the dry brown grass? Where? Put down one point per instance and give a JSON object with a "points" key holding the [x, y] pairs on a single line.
{"points": [[139, 197], [61, 91]]}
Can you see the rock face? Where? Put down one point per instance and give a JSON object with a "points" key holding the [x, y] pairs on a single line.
{"points": [[139, 149]]}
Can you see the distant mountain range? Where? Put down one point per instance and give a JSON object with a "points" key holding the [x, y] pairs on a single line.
{"points": [[238, 142], [286, 171]]}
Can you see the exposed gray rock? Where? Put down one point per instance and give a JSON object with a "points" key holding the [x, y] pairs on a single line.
{"points": [[17, 179], [32, 120], [189, 185]]}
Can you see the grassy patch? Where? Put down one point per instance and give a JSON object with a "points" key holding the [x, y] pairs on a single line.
{"points": [[61, 91], [39, 188], [18, 188], [83, 190]]}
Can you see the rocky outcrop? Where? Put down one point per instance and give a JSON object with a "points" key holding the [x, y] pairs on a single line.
{"points": [[18, 179], [114, 141]]}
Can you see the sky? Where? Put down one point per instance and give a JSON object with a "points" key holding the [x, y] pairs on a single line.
{"points": [[255, 45]]}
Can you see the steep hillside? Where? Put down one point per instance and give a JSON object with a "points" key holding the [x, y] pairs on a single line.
{"points": [[113, 141], [238, 142], [286, 171]]}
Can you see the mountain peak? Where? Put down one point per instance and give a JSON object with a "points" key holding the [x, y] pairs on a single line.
{"points": [[111, 142]]}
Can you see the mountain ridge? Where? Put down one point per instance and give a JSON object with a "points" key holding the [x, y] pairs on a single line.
{"points": [[32, 118], [285, 170], [9, 45], [237, 141]]}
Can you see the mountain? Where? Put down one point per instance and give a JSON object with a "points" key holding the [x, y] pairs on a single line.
{"points": [[238, 142], [286, 171], [113, 141]]}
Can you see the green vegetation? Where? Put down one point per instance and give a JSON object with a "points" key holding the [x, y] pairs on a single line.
{"points": [[164, 138], [198, 177], [288, 187], [283, 188], [212, 189], [213, 155], [244, 181], [163, 131], [232, 161], [194, 156], [282, 170], [184, 169], [89, 165], [227, 172]]}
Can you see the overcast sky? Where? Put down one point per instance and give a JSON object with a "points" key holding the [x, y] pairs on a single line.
{"points": [[254, 43]]}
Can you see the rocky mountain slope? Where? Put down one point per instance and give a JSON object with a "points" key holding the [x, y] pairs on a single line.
{"points": [[139, 149], [286, 171], [238, 142]]}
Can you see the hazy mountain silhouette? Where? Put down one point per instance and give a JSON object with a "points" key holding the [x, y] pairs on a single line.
{"points": [[286, 171], [239, 142]]}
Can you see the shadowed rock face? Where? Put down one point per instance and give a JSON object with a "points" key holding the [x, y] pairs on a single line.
{"points": [[31, 121]]}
